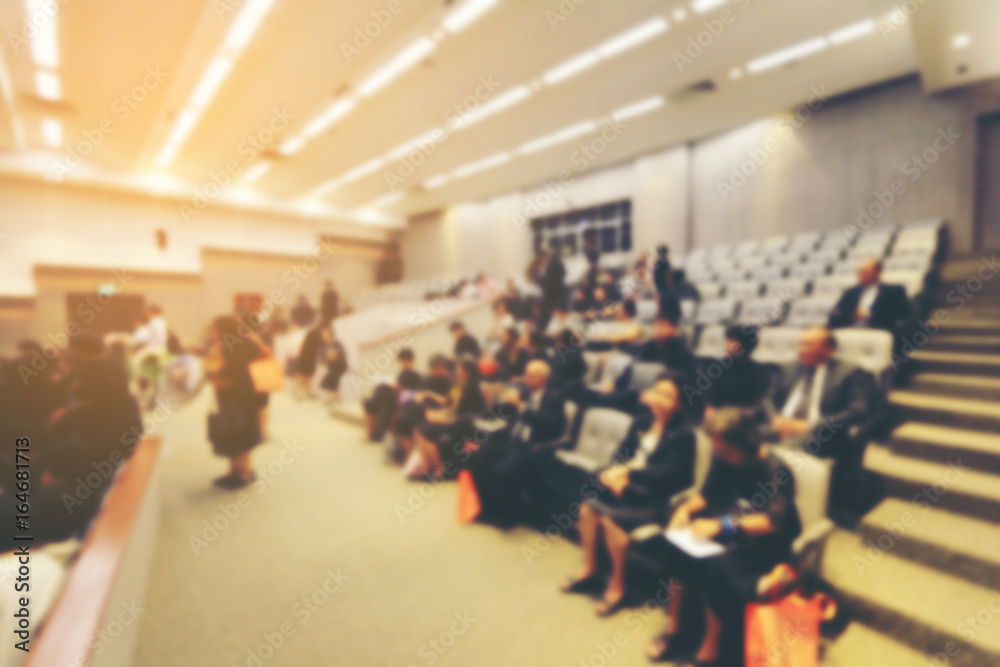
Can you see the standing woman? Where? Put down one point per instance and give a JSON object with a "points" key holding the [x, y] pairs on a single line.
{"points": [[235, 429], [307, 361], [336, 366]]}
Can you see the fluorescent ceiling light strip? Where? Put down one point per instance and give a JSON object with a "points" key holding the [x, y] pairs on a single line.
{"points": [[702, 6], [482, 165], [245, 25], [324, 188], [406, 59], [631, 38], [787, 55], [465, 14], [422, 141], [571, 67], [210, 81], [176, 137], [384, 200], [47, 85], [45, 40], [853, 31], [333, 113], [436, 181], [510, 98], [7, 90], [292, 145], [558, 137], [256, 171], [363, 170], [52, 132], [639, 108]]}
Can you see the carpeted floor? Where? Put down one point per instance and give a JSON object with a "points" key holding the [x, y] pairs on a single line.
{"points": [[336, 560]]}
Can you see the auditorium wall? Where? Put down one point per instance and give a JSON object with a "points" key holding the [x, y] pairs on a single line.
{"points": [[809, 175], [56, 240]]}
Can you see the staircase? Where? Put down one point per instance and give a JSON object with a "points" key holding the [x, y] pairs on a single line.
{"points": [[921, 573]]}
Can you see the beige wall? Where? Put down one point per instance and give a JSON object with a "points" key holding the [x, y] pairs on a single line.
{"points": [[816, 175]]}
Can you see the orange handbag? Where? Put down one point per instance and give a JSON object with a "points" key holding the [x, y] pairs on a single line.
{"points": [[469, 506], [267, 375], [785, 632]]}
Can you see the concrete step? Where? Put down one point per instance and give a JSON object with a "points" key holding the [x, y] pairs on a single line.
{"points": [[964, 343], [978, 449], [928, 610], [948, 384], [860, 645], [959, 363], [966, 324], [960, 545], [954, 486], [967, 413]]}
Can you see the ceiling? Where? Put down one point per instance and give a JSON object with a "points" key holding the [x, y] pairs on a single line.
{"points": [[128, 71]]}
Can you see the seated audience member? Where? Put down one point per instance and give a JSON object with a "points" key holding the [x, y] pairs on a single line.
{"points": [[601, 307], [501, 466], [380, 408], [562, 319], [707, 612], [745, 383], [624, 329], [434, 393], [580, 301], [308, 358], [512, 299], [667, 346], [302, 313], [441, 438], [511, 358], [535, 344], [465, 344], [655, 461], [873, 304], [567, 361], [502, 320], [662, 271], [336, 366], [816, 401]]}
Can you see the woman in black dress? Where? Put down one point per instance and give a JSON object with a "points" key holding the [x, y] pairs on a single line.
{"points": [[336, 366], [655, 461], [511, 358], [235, 429], [441, 439], [305, 367]]}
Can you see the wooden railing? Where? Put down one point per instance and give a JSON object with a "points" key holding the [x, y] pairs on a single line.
{"points": [[67, 634]]}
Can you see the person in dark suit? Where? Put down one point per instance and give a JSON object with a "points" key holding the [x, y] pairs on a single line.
{"points": [[707, 610], [745, 383], [662, 271], [654, 462], [552, 277], [528, 415], [465, 344], [666, 345], [818, 400], [329, 301], [302, 313], [872, 304], [512, 359]]}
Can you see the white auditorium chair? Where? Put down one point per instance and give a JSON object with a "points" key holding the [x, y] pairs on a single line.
{"points": [[788, 289], [753, 262], [746, 249], [698, 256], [712, 342], [765, 312], [835, 284], [871, 349], [912, 281], [723, 264], [719, 311], [914, 263], [811, 311], [594, 362], [768, 274], [775, 245], [645, 310], [845, 267], [688, 309], [869, 251], [826, 256], [732, 276], [778, 345], [812, 496], [644, 375], [806, 242], [836, 241], [917, 245], [710, 291], [927, 223], [789, 260], [699, 275], [720, 252], [743, 291], [601, 433]]}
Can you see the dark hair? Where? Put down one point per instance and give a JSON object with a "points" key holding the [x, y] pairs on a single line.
{"points": [[440, 360], [538, 339], [471, 400], [747, 336], [406, 354], [513, 333], [736, 427], [668, 314], [456, 326], [629, 308], [663, 250], [679, 276]]}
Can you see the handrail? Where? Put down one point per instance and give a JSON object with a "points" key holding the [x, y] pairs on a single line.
{"points": [[68, 631]]}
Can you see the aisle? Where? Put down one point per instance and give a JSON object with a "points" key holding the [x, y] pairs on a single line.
{"points": [[406, 586]]}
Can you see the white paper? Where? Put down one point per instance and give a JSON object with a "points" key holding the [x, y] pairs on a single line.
{"points": [[696, 547]]}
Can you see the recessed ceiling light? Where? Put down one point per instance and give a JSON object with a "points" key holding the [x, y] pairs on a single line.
{"points": [[47, 85], [292, 145], [52, 132], [680, 14], [897, 16], [45, 37], [961, 41], [736, 73], [702, 6]]}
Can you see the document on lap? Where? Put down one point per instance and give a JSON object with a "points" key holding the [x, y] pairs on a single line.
{"points": [[695, 547]]}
